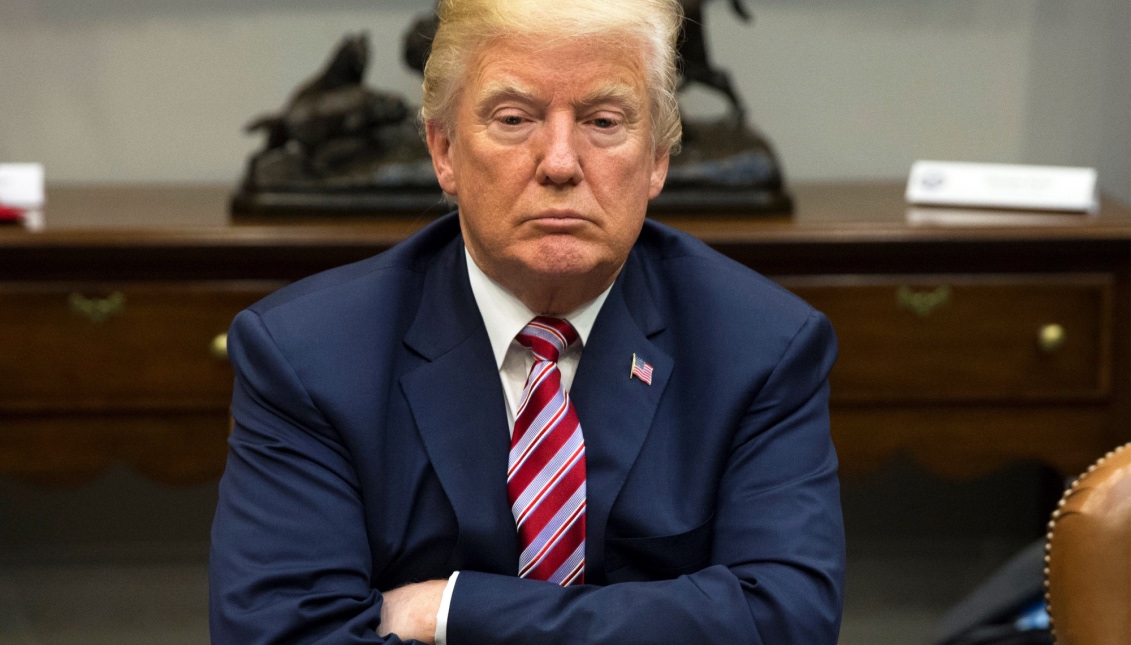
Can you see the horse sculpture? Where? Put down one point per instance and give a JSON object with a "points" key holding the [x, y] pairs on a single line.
{"points": [[696, 63]]}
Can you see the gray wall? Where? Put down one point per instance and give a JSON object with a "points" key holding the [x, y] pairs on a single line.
{"points": [[158, 90], [1080, 95]]}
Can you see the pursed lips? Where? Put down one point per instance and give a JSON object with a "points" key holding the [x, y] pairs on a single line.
{"points": [[558, 216]]}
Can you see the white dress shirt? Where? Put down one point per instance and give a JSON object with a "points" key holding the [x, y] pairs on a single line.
{"points": [[504, 315]]}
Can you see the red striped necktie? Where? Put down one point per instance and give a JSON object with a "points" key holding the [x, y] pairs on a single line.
{"points": [[546, 473]]}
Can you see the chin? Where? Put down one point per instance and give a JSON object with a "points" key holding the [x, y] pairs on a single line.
{"points": [[571, 259]]}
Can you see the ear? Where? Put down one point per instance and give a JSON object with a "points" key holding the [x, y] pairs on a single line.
{"points": [[440, 146], [659, 173]]}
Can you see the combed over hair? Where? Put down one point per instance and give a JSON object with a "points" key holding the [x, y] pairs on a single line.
{"points": [[467, 25]]}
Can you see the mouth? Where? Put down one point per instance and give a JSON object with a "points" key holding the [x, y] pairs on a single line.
{"points": [[559, 218], [559, 213]]}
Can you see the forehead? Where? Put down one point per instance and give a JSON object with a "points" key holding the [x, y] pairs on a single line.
{"points": [[571, 69]]}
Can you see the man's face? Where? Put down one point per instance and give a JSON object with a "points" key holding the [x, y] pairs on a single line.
{"points": [[551, 160]]}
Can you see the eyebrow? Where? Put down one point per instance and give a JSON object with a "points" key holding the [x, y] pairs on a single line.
{"points": [[494, 93], [620, 94]]}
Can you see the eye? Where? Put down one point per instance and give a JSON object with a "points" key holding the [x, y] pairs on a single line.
{"points": [[510, 118], [606, 120]]}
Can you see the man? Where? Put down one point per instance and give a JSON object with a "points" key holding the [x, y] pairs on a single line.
{"points": [[542, 420]]}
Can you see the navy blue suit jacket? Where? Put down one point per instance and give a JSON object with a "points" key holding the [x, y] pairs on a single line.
{"points": [[370, 450]]}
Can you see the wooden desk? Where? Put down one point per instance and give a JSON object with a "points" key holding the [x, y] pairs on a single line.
{"points": [[107, 320]]}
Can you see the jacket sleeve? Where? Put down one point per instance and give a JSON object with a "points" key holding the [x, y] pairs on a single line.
{"points": [[776, 572], [290, 561]]}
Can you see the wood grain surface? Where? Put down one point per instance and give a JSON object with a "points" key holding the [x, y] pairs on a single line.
{"points": [[964, 388]]}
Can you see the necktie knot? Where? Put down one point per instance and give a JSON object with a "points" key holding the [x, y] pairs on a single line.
{"points": [[547, 337]]}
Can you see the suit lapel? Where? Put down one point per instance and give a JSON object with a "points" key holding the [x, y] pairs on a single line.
{"points": [[457, 401], [458, 404], [616, 411]]}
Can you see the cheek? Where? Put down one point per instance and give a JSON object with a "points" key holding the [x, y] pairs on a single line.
{"points": [[627, 164], [625, 181], [501, 173]]}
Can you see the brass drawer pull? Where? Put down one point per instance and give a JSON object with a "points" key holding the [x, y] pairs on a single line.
{"points": [[922, 302], [98, 309], [1051, 338], [219, 347]]}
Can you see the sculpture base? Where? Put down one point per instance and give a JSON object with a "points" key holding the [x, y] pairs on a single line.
{"points": [[713, 201], [305, 206], [725, 167], [259, 205]]}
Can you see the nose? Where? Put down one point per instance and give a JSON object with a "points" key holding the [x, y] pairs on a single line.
{"points": [[560, 164]]}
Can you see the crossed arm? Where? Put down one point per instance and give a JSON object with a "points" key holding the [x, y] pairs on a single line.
{"points": [[410, 611], [291, 556]]}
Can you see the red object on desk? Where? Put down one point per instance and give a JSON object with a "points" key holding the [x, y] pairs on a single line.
{"points": [[10, 214]]}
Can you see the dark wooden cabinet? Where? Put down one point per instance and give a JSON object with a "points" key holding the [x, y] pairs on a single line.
{"points": [[967, 338], [118, 346]]}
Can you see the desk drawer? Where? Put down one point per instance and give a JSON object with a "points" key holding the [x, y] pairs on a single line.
{"points": [[136, 346], [967, 338]]}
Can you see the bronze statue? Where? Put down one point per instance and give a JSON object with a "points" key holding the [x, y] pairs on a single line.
{"points": [[332, 116], [725, 165], [418, 41], [339, 147], [696, 64]]}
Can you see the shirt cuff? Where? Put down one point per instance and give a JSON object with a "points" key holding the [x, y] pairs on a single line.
{"points": [[442, 612]]}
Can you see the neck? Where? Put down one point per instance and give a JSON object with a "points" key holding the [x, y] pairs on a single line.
{"points": [[553, 296], [556, 297], [546, 293]]}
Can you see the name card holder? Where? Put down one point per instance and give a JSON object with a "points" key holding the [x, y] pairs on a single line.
{"points": [[984, 185], [22, 194]]}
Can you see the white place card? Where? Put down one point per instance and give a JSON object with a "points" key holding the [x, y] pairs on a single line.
{"points": [[1056, 188], [21, 185]]}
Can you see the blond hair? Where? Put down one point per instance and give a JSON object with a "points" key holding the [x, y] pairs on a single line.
{"points": [[467, 25]]}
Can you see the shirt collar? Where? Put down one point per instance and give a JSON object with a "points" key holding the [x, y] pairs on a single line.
{"points": [[504, 315]]}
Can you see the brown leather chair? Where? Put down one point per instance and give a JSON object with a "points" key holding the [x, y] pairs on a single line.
{"points": [[1088, 559]]}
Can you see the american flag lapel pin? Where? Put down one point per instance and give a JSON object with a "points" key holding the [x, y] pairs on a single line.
{"points": [[641, 370]]}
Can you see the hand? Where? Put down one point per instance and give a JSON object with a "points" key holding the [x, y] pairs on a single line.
{"points": [[410, 611]]}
